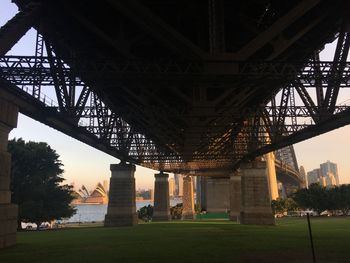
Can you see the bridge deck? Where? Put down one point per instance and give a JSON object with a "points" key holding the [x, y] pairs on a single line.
{"points": [[177, 72]]}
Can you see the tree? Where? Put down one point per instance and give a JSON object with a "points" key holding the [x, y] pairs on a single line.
{"points": [[345, 194], [340, 196], [176, 211], [316, 197], [301, 197], [36, 183], [278, 206], [319, 198], [145, 213], [291, 205]]}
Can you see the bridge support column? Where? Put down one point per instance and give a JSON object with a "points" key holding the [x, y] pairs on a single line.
{"points": [[271, 175], [121, 209], [8, 211], [188, 199], [218, 195], [256, 201], [161, 209], [202, 192], [235, 196]]}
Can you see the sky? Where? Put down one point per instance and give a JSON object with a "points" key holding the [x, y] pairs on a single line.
{"points": [[85, 165]]}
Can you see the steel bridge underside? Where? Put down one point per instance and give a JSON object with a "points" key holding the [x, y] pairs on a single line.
{"points": [[180, 86]]}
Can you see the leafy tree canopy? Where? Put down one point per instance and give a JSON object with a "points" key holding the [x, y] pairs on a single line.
{"points": [[320, 198], [340, 198], [176, 211], [36, 183], [145, 213], [280, 205]]}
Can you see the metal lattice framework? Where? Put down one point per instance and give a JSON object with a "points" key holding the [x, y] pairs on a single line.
{"points": [[124, 106], [89, 111]]}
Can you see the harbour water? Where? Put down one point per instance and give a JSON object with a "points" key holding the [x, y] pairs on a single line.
{"points": [[97, 212]]}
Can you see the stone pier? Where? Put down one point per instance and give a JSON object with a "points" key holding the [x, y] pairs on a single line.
{"points": [[161, 209], [202, 190], [121, 209], [235, 196], [8, 211], [188, 199], [256, 201]]}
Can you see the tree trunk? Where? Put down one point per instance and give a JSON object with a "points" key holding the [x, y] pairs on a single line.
{"points": [[38, 225]]}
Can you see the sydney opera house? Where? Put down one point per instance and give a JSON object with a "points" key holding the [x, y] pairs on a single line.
{"points": [[98, 196]]}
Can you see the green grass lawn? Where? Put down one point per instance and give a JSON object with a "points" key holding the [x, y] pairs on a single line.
{"points": [[187, 241]]}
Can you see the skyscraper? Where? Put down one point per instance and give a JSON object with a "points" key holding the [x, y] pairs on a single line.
{"points": [[314, 176], [330, 180], [330, 168], [303, 176]]}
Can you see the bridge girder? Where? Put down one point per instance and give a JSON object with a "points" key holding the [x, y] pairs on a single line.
{"points": [[185, 114]]}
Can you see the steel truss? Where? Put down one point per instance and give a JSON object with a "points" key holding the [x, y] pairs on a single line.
{"points": [[269, 123], [275, 124], [309, 74]]}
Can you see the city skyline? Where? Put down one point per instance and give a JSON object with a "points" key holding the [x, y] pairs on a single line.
{"points": [[85, 165], [326, 174]]}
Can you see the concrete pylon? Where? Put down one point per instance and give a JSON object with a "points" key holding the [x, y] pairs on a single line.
{"points": [[161, 209], [188, 199], [218, 195], [256, 201], [271, 175], [121, 209], [8, 211], [235, 196], [199, 192], [202, 190]]}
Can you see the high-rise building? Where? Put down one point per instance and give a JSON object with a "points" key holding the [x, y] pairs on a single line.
{"points": [[323, 181], [330, 180], [303, 176], [330, 168], [327, 175], [314, 177]]}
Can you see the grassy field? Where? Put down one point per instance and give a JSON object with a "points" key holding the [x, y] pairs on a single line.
{"points": [[186, 241]]}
